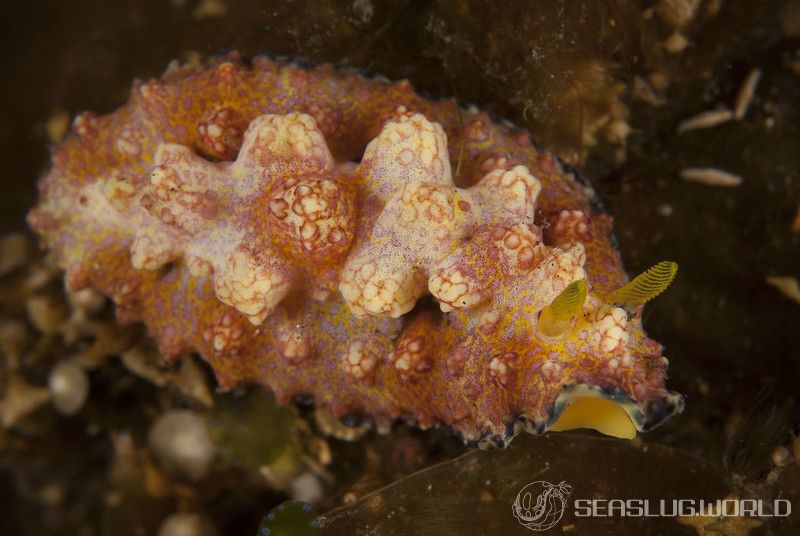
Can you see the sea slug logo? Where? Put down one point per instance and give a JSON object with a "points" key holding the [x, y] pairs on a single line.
{"points": [[540, 505]]}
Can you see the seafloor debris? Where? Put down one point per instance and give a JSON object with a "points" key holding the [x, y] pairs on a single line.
{"points": [[712, 118], [746, 93], [591, 111], [15, 250], [189, 378], [52, 341], [707, 119], [19, 400], [710, 176], [787, 285]]}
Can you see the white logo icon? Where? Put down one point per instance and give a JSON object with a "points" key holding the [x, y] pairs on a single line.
{"points": [[540, 505]]}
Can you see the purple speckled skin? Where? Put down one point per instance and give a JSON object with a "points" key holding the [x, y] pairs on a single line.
{"points": [[320, 233]]}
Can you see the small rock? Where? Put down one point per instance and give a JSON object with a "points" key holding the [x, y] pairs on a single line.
{"points": [[306, 488], [181, 444], [186, 524], [69, 385]]}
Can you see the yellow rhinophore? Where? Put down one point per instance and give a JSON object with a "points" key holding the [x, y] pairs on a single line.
{"points": [[556, 318], [646, 285]]}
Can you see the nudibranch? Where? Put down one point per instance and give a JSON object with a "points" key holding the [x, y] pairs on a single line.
{"points": [[320, 233]]}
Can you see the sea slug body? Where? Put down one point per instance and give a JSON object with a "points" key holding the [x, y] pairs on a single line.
{"points": [[303, 230]]}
